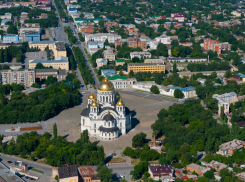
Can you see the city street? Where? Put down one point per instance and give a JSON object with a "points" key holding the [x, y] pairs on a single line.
{"points": [[121, 169]]}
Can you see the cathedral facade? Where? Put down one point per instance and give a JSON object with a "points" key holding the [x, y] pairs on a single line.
{"points": [[106, 116]]}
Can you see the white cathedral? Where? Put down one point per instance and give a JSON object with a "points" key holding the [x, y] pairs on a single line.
{"points": [[106, 116]]}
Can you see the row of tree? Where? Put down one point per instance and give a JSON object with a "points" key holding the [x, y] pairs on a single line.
{"points": [[72, 39], [70, 57]]}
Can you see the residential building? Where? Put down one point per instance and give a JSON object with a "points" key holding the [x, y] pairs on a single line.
{"points": [[59, 63], [88, 15], [120, 62], [241, 176], [178, 16], [187, 91], [30, 27], [4, 45], [102, 37], [95, 44], [216, 165], [243, 76], [6, 16], [230, 147], [10, 38], [46, 7], [42, 1], [132, 42], [73, 6], [29, 36], [207, 73], [60, 74], [145, 67], [3, 22], [108, 72], [225, 100], [163, 39], [187, 60], [238, 12], [140, 55], [13, 66], [197, 169], [68, 173], [101, 62], [120, 82], [57, 47], [30, 90], [23, 77], [85, 20], [88, 173], [157, 172], [216, 46], [154, 61], [109, 54]]}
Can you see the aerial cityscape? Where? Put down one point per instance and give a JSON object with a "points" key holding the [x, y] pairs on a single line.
{"points": [[122, 91]]}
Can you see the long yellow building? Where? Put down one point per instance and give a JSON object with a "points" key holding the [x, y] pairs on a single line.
{"points": [[58, 48], [145, 67]]}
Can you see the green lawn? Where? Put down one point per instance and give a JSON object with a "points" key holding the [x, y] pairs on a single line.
{"points": [[37, 170]]}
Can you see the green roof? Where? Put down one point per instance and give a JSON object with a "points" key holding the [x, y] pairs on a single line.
{"points": [[89, 19], [155, 15], [117, 77], [120, 60]]}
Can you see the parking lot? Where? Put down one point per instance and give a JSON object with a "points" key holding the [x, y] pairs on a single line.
{"points": [[33, 55]]}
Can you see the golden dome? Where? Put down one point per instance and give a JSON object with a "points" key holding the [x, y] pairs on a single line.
{"points": [[92, 96], [120, 103], [117, 95], [106, 85], [94, 104]]}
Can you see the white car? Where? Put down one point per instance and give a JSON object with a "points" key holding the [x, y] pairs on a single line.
{"points": [[121, 176]]}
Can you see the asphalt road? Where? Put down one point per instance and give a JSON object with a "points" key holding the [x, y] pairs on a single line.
{"points": [[123, 169], [46, 169]]}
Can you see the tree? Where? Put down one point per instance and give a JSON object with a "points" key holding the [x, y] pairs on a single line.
{"points": [[186, 159], [50, 80], [12, 30], [131, 73], [178, 93], [106, 42], [55, 131], [234, 47], [105, 174], [154, 89], [202, 179], [222, 112], [5, 55], [174, 68], [139, 140], [76, 82], [209, 174], [176, 52], [39, 66], [35, 85], [228, 73], [120, 73]]}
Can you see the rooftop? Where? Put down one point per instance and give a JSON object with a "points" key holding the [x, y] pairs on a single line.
{"points": [[190, 88], [87, 170], [59, 59], [144, 64], [60, 46], [233, 145], [159, 169], [67, 171], [120, 60], [117, 77]]}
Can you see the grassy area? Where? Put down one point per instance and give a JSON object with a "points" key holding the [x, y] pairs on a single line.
{"points": [[117, 160], [134, 161], [154, 162], [37, 170]]}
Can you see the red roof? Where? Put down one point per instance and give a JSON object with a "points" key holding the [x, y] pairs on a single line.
{"points": [[177, 171], [184, 177], [164, 17]]}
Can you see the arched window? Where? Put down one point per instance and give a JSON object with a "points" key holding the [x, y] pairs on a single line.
{"points": [[103, 98], [109, 134], [120, 124], [109, 124], [102, 133], [112, 134], [107, 99], [100, 98], [104, 123], [83, 121], [105, 134], [94, 125]]}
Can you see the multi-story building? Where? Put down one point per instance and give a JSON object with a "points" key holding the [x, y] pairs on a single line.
{"points": [[95, 44], [187, 59], [158, 172], [29, 36], [101, 62], [230, 147], [145, 67], [132, 42], [59, 63], [57, 47], [13, 66], [120, 62], [88, 173], [60, 74], [102, 37], [23, 77], [154, 61], [120, 82], [216, 46], [73, 6], [187, 91], [108, 54], [30, 27], [10, 38], [42, 1], [238, 12], [6, 16], [140, 55], [225, 100], [200, 170]]}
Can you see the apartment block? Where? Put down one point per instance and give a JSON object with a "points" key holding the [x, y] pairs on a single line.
{"points": [[30, 27], [132, 42], [216, 46], [145, 67], [23, 77], [225, 100], [102, 37], [57, 47], [59, 63], [108, 54]]}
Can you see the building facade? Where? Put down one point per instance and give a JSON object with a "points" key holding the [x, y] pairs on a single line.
{"points": [[10, 39], [230, 147], [22, 77], [108, 54], [59, 63], [216, 46], [145, 67], [106, 116], [225, 100], [95, 44], [60, 74], [121, 82], [132, 42], [140, 55], [101, 62], [102, 37]]}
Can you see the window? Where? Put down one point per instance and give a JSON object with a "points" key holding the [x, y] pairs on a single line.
{"points": [[109, 124], [83, 121], [120, 124], [105, 124], [94, 125]]}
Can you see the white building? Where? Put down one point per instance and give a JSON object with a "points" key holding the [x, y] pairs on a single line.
{"points": [[121, 82], [140, 55], [106, 116], [101, 62], [187, 59], [163, 39], [225, 100], [102, 37]]}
